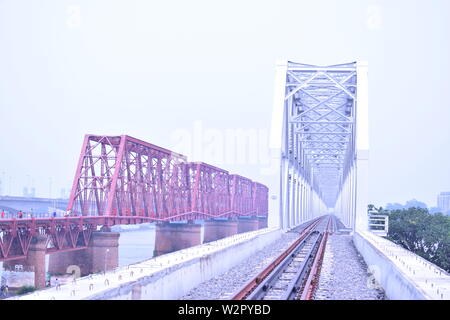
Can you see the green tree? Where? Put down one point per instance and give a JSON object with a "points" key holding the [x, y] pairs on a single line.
{"points": [[436, 238], [424, 234], [376, 210]]}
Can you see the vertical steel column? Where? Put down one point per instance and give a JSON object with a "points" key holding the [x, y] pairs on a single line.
{"points": [[354, 196], [302, 199], [296, 219], [284, 201], [362, 147], [294, 191]]}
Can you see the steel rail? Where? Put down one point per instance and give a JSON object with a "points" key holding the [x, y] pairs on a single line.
{"points": [[263, 289], [297, 283], [313, 278], [245, 291]]}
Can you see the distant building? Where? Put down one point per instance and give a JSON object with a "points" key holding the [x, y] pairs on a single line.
{"points": [[31, 193], [443, 202]]}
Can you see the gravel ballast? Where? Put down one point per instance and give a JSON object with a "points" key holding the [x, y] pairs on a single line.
{"points": [[344, 274], [223, 286]]}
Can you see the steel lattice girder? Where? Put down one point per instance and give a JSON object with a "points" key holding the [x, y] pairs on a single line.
{"points": [[321, 105], [260, 199], [63, 234], [120, 176], [241, 189], [208, 189]]}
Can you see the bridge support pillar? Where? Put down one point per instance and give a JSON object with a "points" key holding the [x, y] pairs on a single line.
{"points": [[248, 224], [218, 229], [171, 237], [35, 260], [103, 251], [262, 222], [62, 262], [101, 254]]}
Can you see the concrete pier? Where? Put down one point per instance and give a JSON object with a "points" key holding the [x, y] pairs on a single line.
{"points": [[60, 262], [171, 237], [102, 254], [219, 229], [262, 222], [36, 257], [35, 260], [248, 224], [103, 251]]}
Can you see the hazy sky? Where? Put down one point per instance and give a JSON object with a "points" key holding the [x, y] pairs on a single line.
{"points": [[169, 72]]}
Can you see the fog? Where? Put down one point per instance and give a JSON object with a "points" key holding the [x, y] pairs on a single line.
{"points": [[192, 76]]}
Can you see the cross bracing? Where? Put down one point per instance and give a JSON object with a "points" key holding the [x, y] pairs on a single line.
{"points": [[323, 113], [320, 105]]}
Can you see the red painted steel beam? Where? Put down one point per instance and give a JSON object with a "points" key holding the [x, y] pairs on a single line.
{"points": [[64, 234], [120, 176]]}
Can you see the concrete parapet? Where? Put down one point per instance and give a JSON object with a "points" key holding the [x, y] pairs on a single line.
{"points": [[402, 274], [177, 279]]}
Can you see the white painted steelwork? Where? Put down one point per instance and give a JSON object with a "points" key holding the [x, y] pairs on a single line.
{"points": [[322, 133]]}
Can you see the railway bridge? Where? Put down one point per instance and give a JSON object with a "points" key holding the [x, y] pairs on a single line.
{"points": [[320, 127], [121, 180]]}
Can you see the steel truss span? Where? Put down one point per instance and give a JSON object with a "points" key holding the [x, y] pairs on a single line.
{"points": [[123, 180], [324, 134]]}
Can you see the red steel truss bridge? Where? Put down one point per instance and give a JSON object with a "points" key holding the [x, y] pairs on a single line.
{"points": [[123, 180]]}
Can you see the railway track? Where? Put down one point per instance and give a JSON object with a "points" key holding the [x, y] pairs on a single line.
{"points": [[293, 275]]}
